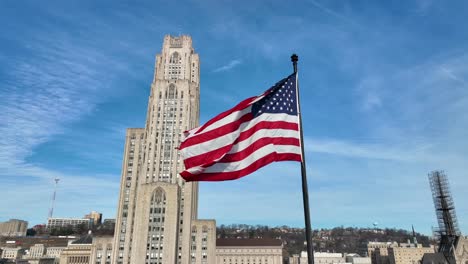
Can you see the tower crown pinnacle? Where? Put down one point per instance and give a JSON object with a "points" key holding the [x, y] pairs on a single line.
{"points": [[178, 41]]}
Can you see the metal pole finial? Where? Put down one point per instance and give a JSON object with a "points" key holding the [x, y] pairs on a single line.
{"points": [[294, 59]]}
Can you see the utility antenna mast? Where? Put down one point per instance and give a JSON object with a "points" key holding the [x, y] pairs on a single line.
{"points": [[448, 231], [51, 210]]}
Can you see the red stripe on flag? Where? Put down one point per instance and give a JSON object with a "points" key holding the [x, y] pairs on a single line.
{"points": [[221, 131], [201, 159], [238, 107], [232, 175], [266, 125], [256, 145]]}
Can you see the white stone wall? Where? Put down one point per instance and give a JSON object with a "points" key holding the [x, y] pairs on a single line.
{"points": [[54, 252], [203, 242], [11, 253], [101, 250], [76, 254], [252, 255], [36, 251]]}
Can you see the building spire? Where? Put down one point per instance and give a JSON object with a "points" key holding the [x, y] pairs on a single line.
{"points": [[415, 241]]}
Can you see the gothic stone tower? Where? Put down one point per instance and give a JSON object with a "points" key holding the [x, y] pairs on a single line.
{"points": [[157, 212]]}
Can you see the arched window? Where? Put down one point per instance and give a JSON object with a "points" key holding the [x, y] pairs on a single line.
{"points": [[175, 66], [172, 91], [175, 58]]}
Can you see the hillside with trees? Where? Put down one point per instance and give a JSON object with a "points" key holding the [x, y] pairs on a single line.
{"points": [[338, 239]]}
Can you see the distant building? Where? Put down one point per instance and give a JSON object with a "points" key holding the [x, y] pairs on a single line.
{"points": [[67, 222], [54, 252], [394, 253], [258, 251], [95, 217], [36, 251], [356, 259], [13, 227], [78, 251], [408, 255], [40, 229], [12, 253], [378, 251], [319, 258]]}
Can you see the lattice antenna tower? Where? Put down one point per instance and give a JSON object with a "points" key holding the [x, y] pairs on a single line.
{"points": [[51, 210], [444, 206]]}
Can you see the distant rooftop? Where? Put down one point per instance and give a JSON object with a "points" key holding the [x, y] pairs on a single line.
{"points": [[260, 242], [26, 242], [88, 239]]}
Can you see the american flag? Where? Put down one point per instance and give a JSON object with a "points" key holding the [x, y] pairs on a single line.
{"points": [[256, 132]]}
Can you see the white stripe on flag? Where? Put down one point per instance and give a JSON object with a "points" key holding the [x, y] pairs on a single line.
{"points": [[264, 133], [226, 139], [240, 165]]}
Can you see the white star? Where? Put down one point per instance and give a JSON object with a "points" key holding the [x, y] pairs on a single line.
{"points": [[277, 103], [273, 108], [281, 108], [268, 107]]}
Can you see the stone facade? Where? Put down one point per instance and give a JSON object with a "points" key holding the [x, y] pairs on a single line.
{"points": [[319, 258], [378, 251], [54, 252], [394, 253], [13, 227], [36, 251], [101, 252], [203, 242], [78, 251], [249, 251], [157, 208], [408, 255], [12, 253]]}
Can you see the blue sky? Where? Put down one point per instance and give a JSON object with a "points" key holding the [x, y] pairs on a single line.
{"points": [[384, 89]]}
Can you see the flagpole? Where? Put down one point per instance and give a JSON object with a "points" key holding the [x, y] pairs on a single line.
{"points": [[305, 192]]}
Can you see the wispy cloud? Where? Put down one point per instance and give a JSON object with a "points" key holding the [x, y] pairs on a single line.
{"points": [[55, 82], [333, 13], [229, 66], [403, 152]]}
